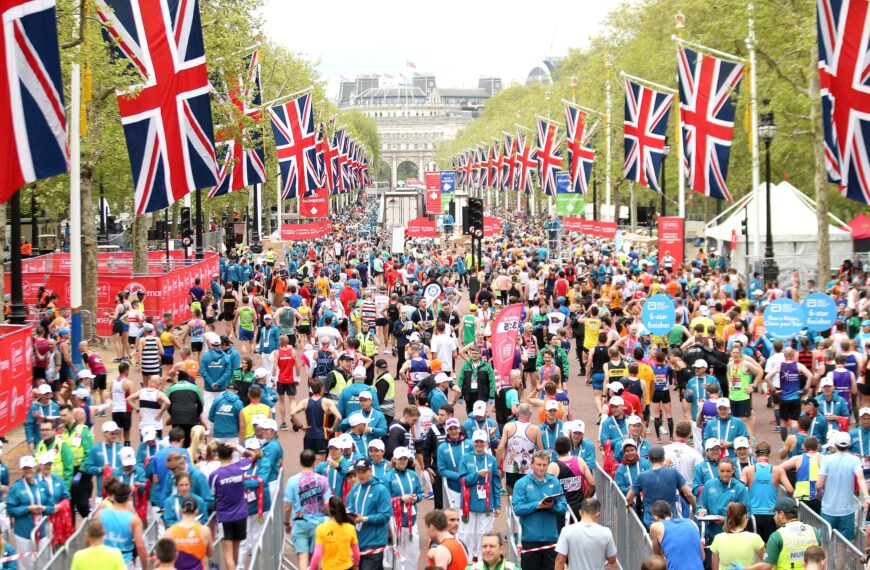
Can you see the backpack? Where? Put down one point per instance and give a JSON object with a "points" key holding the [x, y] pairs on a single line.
{"points": [[324, 364]]}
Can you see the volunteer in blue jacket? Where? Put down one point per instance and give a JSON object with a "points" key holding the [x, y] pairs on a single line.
{"points": [[380, 466], [539, 502], [632, 466], [481, 483], [272, 454], [580, 446], [148, 447], [717, 494], [28, 497], [358, 427], [551, 428], [335, 467], [707, 469], [478, 420], [216, 372], [370, 508], [224, 415], [130, 472], [614, 427], [363, 403], [44, 407], [56, 485], [726, 428], [104, 455], [268, 345], [349, 400], [406, 492], [450, 454]]}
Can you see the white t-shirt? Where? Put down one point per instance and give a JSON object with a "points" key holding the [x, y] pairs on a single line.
{"points": [[443, 346], [555, 321], [328, 332], [683, 458], [587, 545]]}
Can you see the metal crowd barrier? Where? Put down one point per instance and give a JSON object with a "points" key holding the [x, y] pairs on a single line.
{"points": [[514, 534], [62, 558], [808, 516], [633, 543], [842, 554], [268, 553]]}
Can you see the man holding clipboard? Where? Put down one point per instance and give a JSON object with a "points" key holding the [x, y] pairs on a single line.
{"points": [[538, 501]]}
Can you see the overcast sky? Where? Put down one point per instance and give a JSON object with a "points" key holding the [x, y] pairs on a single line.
{"points": [[457, 40]]}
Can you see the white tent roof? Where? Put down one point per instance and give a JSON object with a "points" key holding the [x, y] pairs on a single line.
{"points": [[793, 217]]}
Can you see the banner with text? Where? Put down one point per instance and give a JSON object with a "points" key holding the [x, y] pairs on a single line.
{"points": [[433, 193], [316, 205], [504, 341], [568, 202], [421, 227], [491, 226], [672, 238], [573, 223], [299, 232], [16, 367]]}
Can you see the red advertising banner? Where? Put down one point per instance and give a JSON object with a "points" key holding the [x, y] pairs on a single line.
{"points": [[504, 341], [316, 205], [573, 223], [298, 232], [588, 227], [491, 226], [672, 238], [16, 369], [733, 240], [421, 227], [433, 192], [607, 230]]}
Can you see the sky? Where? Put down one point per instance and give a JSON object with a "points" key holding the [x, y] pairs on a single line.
{"points": [[457, 40]]}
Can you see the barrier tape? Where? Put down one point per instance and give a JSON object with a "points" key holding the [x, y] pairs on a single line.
{"points": [[384, 549], [520, 549], [14, 557]]}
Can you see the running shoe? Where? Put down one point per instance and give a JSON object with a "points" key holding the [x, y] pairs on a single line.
{"points": [[429, 495], [283, 426]]}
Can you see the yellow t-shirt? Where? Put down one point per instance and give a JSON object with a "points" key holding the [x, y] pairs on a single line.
{"points": [[645, 373], [337, 540], [590, 335], [101, 557], [252, 410]]}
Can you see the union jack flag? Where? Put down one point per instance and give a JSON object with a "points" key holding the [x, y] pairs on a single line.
{"points": [[646, 122], [527, 160], [296, 145], [325, 163], [167, 123], [495, 161], [33, 119], [485, 161], [707, 119], [340, 141], [507, 169], [244, 166], [580, 158], [476, 166], [844, 71], [549, 160], [465, 165]]}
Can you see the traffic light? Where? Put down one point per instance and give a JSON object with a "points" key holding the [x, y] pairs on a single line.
{"points": [[186, 231], [475, 216], [744, 227]]}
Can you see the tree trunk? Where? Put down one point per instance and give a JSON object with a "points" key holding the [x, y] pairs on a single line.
{"points": [[823, 259], [632, 207], [2, 266], [89, 252], [140, 243]]}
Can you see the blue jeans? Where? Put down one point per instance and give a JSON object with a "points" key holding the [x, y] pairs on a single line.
{"points": [[845, 524]]}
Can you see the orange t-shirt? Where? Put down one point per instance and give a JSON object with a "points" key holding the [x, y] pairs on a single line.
{"points": [[191, 548]]}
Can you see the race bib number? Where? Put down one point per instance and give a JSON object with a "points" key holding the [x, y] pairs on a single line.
{"points": [[481, 492], [250, 496], [76, 441]]}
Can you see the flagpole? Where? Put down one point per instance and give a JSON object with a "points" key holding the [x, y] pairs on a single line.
{"points": [[701, 47], [75, 214], [608, 189], [681, 172], [583, 108], [648, 83], [283, 97], [756, 168]]}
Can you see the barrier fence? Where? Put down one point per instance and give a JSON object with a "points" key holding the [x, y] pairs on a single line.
{"points": [[268, 553], [633, 544]]}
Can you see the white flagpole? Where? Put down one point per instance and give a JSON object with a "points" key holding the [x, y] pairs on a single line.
{"points": [[75, 211], [756, 168], [607, 187], [278, 201]]}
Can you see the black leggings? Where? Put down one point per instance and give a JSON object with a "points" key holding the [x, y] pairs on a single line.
{"points": [[81, 493]]}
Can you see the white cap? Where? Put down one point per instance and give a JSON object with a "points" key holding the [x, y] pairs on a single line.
{"points": [[269, 423], [258, 420], [212, 338], [843, 439], [81, 393], [148, 327], [615, 386], [757, 293], [377, 444], [442, 377], [741, 442], [551, 405], [85, 373], [479, 435], [479, 408], [110, 426], [617, 401], [267, 316], [578, 426], [334, 442], [401, 452], [627, 442], [43, 389], [826, 381], [700, 363], [345, 441], [633, 420], [252, 443], [149, 433], [723, 403], [359, 372], [415, 337], [27, 461], [357, 419], [711, 443], [365, 394], [128, 456], [260, 372], [452, 422], [863, 411]]}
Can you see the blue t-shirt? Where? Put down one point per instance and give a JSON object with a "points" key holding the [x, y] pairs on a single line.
{"points": [[840, 470], [308, 493], [660, 484], [228, 487]]}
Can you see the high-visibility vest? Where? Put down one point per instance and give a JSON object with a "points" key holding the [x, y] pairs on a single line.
{"points": [[796, 538], [55, 451], [74, 440]]}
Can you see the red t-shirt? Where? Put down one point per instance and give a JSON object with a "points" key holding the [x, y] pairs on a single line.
{"points": [[286, 365], [562, 288]]}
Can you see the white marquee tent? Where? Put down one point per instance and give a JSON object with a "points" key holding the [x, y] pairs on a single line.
{"points": [[793, 224]]}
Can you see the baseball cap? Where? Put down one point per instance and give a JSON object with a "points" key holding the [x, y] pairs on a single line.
{"points": [[357, 419], [128, 456], [45, 457], [365, 395], [189, 505], [657, 452], [345, 356], [551, 405], [380, 363], [253, 443], [441, 377], [269, 423], [863, 411], [452, 422], [85, 373], [260, 372], [81, 393], [479, 408], [711, 443], [843, 440], [628, 442], [43, 389], [700, 363], [435, 365], [578, 426], [865, 323], [215, 341], [267, 317], [377, 444], [401, 452], [258, 419], [334, 442], [359, 372], [472, 307], [633, 420], [415, 337], [479, 435], [723, 403], [149, 433], [826, 381], [786, 505], [226, 340], [741, 442], [110, 426], [617, 401], [345, 441], [616, 387], [27, 461], [362, 464]]}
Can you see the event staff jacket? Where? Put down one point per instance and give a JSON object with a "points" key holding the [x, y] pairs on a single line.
{"points": [[486, 425], [146, 452], [614, 430], [59, 490], [626, 474], [270, 460], [137, 475], [836, 406], [717, 495], [268, 340], [348, 401], [371, 500], [586, 452], [335, 475], [539, 525], [726, 430], [215, 370], [253, 478], [101, 456], [476, 381], [376, 420], [198, 485], [405, 483], [450, 454], [21, 496], [704, 471], [224, 415], [483, 498]]}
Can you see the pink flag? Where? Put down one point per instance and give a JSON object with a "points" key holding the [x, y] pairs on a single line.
{"points": [[504, 342]]}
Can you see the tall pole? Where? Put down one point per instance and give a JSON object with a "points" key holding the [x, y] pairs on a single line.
{"points": [[198, 228], [681, 173], [594, 196], [75, 213], [608, 189], [663, 213], [753, 136], [17, 312], [255, 227], [34, 225], [770, 267], [166, 231], [103, 220]]}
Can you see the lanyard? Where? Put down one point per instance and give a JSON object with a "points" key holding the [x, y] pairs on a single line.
{"points": [[450, 454], [549, 431], [861, 433], [825, 409], [359, 510], [727, 428], [616, 424], [106, 457], [399, 481], [628, 472], [38, 500]]}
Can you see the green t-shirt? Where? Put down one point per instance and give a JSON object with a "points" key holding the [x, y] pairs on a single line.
{"points": [[246, 318], [469, 326], [511, 399], [102, 557], [740, 547]]}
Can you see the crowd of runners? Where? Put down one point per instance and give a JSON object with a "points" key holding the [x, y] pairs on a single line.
{"points": [[393, 401]]}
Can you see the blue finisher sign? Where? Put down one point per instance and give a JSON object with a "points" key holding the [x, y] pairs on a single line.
{"points": [[820, 312], [783, 319], [448, 181], [659, 314]]}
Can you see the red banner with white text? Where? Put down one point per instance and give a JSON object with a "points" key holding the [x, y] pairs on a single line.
{"points": [[299, 232], [433, 193], [316, 205], [491, 226], [505, 330], [573, 223], [16, 369], [672, 238], [421, 227]]}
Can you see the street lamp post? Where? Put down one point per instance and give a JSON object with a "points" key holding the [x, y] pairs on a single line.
{"points": [[665, 151], [766, 131]]}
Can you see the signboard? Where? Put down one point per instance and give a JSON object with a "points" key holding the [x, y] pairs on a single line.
{"points": [[607, 230], [448, 189], [573, 223], [491, 226], [672, 238], [299, 232], [316, 205], [431, 292], [820, 312], [16, 368], [505, 330], [433, 192], [568, 203], [421, 227], [783, 319], [733, 240], [659, 314]]}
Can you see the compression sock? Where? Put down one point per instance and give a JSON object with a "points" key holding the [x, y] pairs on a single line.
{"points": [[658, 423], [671, 427]]}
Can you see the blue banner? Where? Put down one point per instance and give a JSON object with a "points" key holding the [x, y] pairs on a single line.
{"points": [[448, 181], [820, 312], [659, 315], [783, 319]]}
